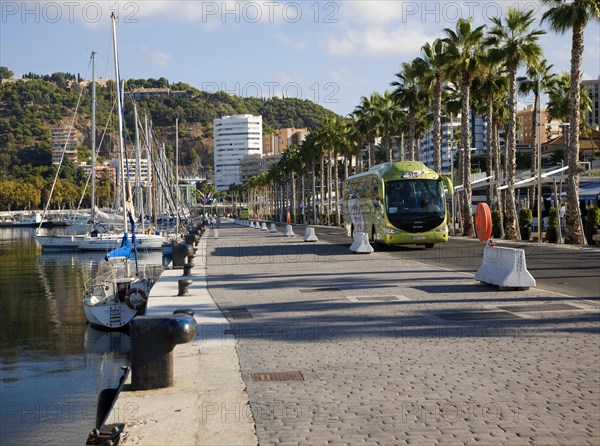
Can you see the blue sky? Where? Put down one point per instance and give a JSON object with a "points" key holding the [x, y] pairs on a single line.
{"points": [[329, 52]]}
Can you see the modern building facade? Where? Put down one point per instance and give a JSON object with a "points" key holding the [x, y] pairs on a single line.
{"points": [[526, 134], [234, 138], [593, 89], [252, 165], [63, 139], [276, 143]]}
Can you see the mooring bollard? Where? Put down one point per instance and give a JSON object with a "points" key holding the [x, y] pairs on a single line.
{"points": [[181, 252], [152, 343], [187, 269], [183, 287]]}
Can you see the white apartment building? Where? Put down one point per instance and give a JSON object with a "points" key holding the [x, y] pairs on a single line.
{"points": [[234, 137]]}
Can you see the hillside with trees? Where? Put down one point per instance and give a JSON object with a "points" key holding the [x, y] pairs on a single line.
{"points": [[31, 106]]}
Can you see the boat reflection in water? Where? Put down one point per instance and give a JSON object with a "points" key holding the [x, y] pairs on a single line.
{"points": [[52, 365]]}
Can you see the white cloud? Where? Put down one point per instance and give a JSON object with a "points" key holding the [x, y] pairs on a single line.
{"points": [[157, 57], [292, 43], [379, 41], [342, 46]]}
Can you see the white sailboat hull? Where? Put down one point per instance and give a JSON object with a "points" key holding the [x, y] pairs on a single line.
{"points": [[112, 316], [106, 242], [59, 242]]}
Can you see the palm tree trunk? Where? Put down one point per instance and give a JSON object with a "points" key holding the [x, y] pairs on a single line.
{"points": [[322, 194], [303, 194], [497, 163], [573, 229], [534, 125], [314, 192], [412, 129], [511, 232], [437, 124], [489, 142], [466, 147], [329, 197], [337, 188], [293, 198]]}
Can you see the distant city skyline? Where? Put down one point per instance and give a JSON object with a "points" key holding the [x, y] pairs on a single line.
{"points": [[331, 53]]}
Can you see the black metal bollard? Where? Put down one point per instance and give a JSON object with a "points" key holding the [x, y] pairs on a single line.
{"points": [[187, 269], [152, 343], [190, 239], [180, 253], [183, 287]]}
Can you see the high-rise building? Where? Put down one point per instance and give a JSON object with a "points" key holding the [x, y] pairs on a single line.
{"points": [[593, 89], [63, 139], [234, 137]]}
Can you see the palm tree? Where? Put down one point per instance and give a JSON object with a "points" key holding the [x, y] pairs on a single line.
{"points": [[464, 50], [435, 63], [540, 79], [385, 111], [367, 125], [562, 16], [489, 85], [514, 44], [410, 95]]}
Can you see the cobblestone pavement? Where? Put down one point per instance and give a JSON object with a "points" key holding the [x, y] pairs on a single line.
{"points": [[394, 352]]}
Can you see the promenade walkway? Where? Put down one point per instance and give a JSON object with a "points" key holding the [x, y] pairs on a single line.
{"points": [[340, 348], [307, 343]]}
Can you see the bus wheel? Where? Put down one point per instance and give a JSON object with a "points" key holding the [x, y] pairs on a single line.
{"points": [[429, 245], [374, 243]]}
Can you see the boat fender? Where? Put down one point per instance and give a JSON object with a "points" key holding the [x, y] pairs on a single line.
{"points": [[140, 302]]}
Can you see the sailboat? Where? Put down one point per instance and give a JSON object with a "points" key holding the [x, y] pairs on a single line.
{"points": [[65, 242], [111, 300]]}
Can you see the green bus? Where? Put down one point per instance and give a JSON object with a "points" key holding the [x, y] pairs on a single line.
{"points": [[397, 204]]}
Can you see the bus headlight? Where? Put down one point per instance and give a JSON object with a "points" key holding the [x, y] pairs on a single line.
{"points": [[392, 231], [442, 229]]}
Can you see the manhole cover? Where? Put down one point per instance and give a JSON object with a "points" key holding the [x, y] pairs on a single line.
{"points": [[277, 376], [539, 307], [319, 290], [239, 313], [475, 315]]}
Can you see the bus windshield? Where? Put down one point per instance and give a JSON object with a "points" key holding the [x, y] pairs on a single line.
{"points": [[415, 205]]}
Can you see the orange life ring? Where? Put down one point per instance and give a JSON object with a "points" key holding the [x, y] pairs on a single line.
{"points": [[137, 304], [483, 222]]}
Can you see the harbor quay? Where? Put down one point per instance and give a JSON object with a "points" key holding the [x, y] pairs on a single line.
{"points": [[309, 343]]}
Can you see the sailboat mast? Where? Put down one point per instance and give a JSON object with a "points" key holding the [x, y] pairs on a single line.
{"points": [[177, 175], [93, 139], [138, 170], [120, 121]]}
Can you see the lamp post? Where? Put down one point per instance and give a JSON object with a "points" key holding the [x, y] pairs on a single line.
{"points": [[539, 161], [450, 153]]}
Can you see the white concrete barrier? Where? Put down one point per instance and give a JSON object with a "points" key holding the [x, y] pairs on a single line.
{"points": [[505, 267], [216, 233], [251, 225], [273, 228], [310, 235], [256, 225], [289, 232], [263, 227], [361, 243]]}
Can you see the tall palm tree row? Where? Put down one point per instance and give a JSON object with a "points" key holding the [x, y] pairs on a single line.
{"points": [[563, 16], [482, 68], [540, 79], [464, 48], [515, 44]]}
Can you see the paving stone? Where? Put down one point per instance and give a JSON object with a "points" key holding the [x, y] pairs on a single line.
{"points": [[388, 372]]}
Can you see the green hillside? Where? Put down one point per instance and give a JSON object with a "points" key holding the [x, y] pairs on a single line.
{"points": [[29, 108]]}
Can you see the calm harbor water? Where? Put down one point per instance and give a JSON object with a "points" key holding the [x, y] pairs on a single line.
{"points": [[52, 364]]}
